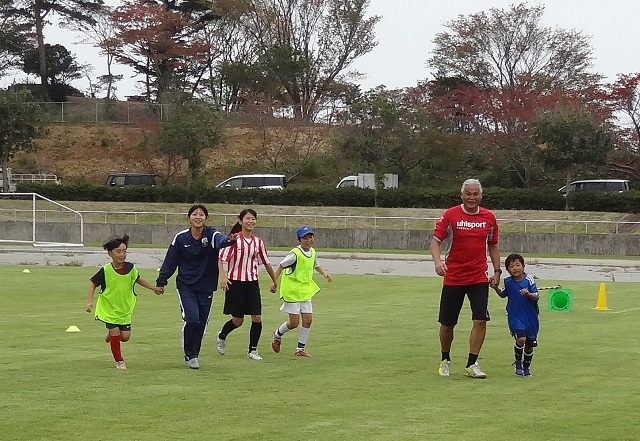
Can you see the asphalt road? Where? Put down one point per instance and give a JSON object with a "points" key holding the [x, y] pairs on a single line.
{"points": [[604, 270]]}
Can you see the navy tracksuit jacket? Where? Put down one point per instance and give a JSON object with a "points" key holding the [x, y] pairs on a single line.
{"points": [[197, 263]]}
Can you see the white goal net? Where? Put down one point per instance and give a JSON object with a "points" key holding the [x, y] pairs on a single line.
{"points": [[29, 218]]}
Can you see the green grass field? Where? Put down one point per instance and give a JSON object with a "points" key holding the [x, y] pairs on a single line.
{"points": [[373, 375]]}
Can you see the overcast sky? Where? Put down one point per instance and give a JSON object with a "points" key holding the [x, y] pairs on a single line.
{"points": [[407, 28]]}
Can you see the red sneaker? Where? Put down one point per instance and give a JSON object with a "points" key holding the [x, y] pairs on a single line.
{"points": [[275, 343], [303, 353]]}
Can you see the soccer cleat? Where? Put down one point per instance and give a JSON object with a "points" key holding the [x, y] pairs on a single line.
{"points": [[518, 367], [253, 355], [445, 368], [275, 342], [527, 372], [474, 371], [192, 363], [121, 365], [221, 345], [302, 353]]}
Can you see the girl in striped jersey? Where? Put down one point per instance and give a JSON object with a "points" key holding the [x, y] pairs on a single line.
{"points": [[239, 280]]}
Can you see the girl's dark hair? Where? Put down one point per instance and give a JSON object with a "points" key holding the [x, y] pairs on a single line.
{"points": [[244, 212], [236, 228], [115, 243], [512, 258], [198, 206]]}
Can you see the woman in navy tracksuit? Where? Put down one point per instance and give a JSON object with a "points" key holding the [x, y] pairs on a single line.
{"points": [[194, 253]]}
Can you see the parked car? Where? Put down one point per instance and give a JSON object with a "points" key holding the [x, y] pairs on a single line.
{"points": [[127, 179], [268, 181], [616, 185], [368, 180]]}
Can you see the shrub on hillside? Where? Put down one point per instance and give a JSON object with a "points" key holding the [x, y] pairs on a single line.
{"points": [[494, 198]]}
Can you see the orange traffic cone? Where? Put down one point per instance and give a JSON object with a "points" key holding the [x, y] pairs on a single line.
{"points": [[601, 303]]}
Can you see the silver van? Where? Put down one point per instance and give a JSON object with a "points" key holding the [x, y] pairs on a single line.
{"points": [[615, 185], [268, 181]]}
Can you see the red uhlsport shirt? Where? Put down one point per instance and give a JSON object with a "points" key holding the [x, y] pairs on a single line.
{"points": [[470, 234]]}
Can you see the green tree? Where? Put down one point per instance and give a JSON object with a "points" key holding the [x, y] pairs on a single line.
{"points": [[20, 124], [390, 134], [13, 36], [70, 10], [570, 139], [61, 67], [191, 128]]}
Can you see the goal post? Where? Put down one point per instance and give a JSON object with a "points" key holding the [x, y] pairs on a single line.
{"points": [[30, 218]]}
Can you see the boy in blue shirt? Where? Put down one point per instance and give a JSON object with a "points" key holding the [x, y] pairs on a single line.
{"points": [[522, 311]]}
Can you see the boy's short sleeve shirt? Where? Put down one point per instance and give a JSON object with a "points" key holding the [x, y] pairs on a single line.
{"points": [[290, 259], [99, 278]]}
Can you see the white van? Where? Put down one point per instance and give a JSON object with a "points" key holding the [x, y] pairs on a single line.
{"points": [[348, 181], [615, 185], [368, 180], [271, 182]]}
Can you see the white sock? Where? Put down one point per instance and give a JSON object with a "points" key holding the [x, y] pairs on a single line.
{"points": [[303, 336], [282, 330]]}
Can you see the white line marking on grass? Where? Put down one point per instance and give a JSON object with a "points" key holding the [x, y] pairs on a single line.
{"points": [[625, 310]]}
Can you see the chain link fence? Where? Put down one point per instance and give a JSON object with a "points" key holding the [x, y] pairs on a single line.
{"points": [[103, 111], [126, 112]]}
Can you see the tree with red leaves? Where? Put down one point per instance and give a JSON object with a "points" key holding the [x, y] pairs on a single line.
{"points": [[157, 43]]}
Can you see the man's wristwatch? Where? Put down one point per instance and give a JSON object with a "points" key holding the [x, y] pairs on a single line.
{"points": [[498, 271]]}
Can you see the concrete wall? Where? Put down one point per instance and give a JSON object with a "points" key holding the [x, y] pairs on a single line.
{"points": [[585, 244]]}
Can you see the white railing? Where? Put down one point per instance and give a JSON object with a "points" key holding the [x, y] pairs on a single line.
{"points": [[40, 178], [324, 221]]}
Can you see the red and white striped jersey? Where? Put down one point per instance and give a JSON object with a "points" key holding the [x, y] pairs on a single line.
{"points": [[244, 257]]}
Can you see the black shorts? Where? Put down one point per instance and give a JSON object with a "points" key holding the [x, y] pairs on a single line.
{"points": [[530, 342], [242, 298], [121, 327], [452, 298]]}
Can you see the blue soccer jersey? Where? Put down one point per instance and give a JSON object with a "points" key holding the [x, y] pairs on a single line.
{"points": [[522, 310]]}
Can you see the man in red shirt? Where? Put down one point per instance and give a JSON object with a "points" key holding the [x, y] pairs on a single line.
{"points": [[472, 230]]}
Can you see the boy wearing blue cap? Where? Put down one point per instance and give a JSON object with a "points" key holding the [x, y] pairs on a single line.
{"points": [[297, 288]]}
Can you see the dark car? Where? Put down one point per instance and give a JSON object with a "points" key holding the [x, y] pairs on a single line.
{"points": [[127, 179]]}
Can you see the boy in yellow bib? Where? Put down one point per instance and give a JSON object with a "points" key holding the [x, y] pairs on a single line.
{"points": [[297, 288], [117, 298]]}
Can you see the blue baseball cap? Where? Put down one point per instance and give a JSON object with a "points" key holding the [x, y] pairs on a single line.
{"points": [[303, 231]]}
